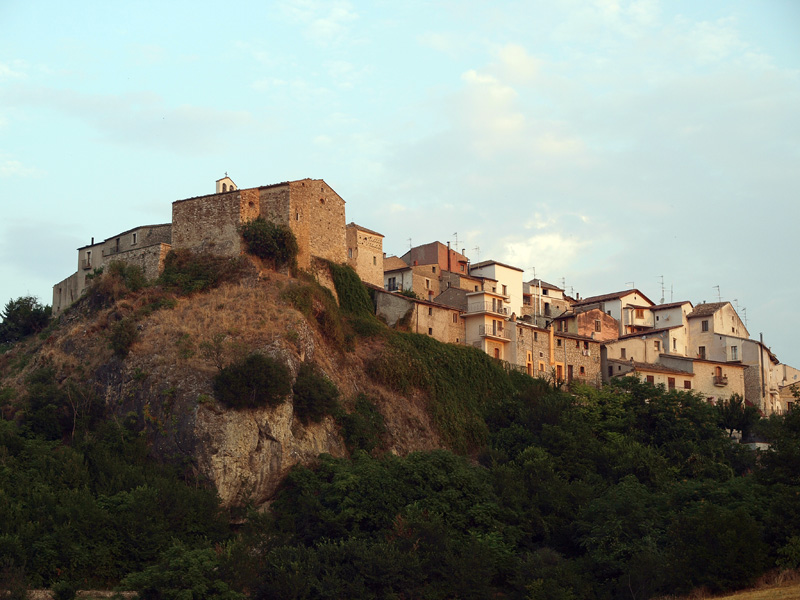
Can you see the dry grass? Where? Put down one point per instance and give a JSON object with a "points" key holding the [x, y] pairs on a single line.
{"points": [[775, 585]]}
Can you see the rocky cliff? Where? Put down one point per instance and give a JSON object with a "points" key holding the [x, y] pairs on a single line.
{"points": [[162, 379]]}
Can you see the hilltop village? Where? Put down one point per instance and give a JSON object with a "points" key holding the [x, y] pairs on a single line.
{"points": [[434, 290]]}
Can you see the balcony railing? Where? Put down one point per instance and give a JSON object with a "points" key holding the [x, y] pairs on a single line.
{"points": [[720, 380], [497, 308], [86, 263], [485, 331]]}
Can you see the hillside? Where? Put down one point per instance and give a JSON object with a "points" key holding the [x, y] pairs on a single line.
{"points": [[367, 463], [165, 377]]}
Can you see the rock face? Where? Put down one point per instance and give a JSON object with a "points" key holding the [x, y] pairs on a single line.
{"points": [[164, 385], [247, 453]]}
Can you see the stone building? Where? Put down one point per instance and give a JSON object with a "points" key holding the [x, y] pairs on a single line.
{"points": [[443, 323], [145, 246], [542, 302], [310, 207], [365, 253]]}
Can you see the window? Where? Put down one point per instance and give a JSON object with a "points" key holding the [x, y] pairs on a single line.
{"points": [[701, 352], [623, 353], [585, 345], [674, 344], [541, 367], [610, 371], [135, 238], [657, 318], [704, 326], [598, 326], [224, 187], [671, 383], [577, 344], [462, 268], [535, 336], [734, 353], [545, 292], [374, 260], [427, 284], [541, 354], [505, 291], [297, 216], [687, 384], [558, 343], [526, 300], [583, 370], [546, 308], [455, 318], [651, 379], [349, 253], [430, 311], [657, 345], [433, 269], [639, 313], [497, 353], [430, 331]]}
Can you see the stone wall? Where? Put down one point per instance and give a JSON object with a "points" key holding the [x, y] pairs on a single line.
{"points": [[582, 355], [365, 253], [440, 322], [208, 224], [319, 221]]}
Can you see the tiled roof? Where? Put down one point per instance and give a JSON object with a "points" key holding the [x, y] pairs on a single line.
{"points": [[670, 305], [706, 309], [392, 263], [493, 262], [612, 296], [647, 332], [544, 285], [640, 366], [364, 229]]}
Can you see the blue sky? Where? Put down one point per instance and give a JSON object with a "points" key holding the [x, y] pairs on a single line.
{"points": [[602, 143]]}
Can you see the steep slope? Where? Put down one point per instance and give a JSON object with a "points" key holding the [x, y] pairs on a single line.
{"points": [[166, 358]]}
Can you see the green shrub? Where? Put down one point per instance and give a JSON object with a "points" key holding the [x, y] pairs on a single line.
{"points": [[362, 429], [314, 394], [123, 334], [187, 272], [117, 281], [64, 590], [317, 302], [354, 298], [273, 242], [257, 380]]}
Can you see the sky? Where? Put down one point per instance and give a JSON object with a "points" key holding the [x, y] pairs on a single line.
{"points": [[599, 145]]}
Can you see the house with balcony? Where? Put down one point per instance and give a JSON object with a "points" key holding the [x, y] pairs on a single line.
{"points": [[501, 279], [486, 321], [631, 309], [542, 302]]}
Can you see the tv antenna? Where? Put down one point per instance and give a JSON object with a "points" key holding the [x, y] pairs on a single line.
{"points": [[455, 235], [632, 284], [719, 295], [477, 250], [409, 243], [662, 289]]}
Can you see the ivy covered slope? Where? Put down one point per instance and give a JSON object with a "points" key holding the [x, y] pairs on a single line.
{"points": [[152, 415]]}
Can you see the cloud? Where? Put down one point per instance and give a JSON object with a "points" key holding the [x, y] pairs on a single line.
{"points": [[447, 43], [14, 168], [548, 252], [325, 22], [140, 119], [14, 70]]}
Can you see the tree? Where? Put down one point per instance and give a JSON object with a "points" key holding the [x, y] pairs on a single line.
{"points": [[22, 317], [734, 415]]}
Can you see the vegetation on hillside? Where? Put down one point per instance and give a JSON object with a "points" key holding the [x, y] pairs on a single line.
{"points": [[629, 491]]}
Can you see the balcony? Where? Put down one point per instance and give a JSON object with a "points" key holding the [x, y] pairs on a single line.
{"points": [[720, 380], [495, 308], [86, 264], [491, 332]]}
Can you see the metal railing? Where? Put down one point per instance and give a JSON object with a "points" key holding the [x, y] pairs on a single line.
{"points": [[497, 308], [484, 331], [720, 380]]}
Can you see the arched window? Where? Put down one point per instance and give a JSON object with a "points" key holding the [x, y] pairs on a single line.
{"points": [[224, 187]]}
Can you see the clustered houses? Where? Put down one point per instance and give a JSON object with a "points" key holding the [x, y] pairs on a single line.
{"points": [[435, 290]]}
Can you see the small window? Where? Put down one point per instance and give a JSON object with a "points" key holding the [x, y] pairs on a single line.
{"points": [[541, 354], [430, 311], [322, 200], [374, 260], [224, 187], [687, 384], [462, 268], [639, 313], [433, 269], [545, 292], [701, 352], [297, 216], [505, 291], [577, 344], [623, 353], [657, 345], [674, 344], [610, 371], [583, 371], [535, 336], [427, 284], [585, 345], [598, 325], [671, 383], [558, 343], [134, 238], [455, 318], [430, 331], [704, 326], [349, 253], [651, 379], [734, 353], [476, 288]]}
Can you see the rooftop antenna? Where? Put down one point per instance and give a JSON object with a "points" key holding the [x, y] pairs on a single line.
{"points": [[534, 272], [563, 283], [670, 293], [719, 296], [409, 243], [455, 235], [662, 289], [632, 284], [477, 250], [744, 315]]}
